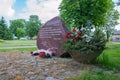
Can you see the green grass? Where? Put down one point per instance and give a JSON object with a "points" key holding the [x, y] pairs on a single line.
{"points": [[95, 75], [110, 58], [9, 45], [12, 43], [20, 49]]}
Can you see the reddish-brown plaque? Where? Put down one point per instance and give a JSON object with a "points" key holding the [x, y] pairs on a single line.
{"points": [[52, 35]]}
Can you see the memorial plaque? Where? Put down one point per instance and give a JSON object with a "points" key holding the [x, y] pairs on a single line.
{"points": [[52, 35]]}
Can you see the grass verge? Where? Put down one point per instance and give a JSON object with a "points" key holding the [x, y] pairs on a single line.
{"points": [[21, 45], [14, 43], [19, 49], [110, 58], [95, 75]]}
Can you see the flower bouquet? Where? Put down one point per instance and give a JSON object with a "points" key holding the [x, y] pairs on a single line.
{"points": [[84, 45]]}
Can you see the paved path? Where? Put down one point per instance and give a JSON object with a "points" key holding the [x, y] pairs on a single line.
{"points": [[17, 66]]}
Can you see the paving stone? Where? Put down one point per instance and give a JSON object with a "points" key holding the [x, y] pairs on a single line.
{"points": [[22, 66]]}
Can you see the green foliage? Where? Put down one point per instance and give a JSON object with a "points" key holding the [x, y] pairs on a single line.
{"points": [[20, 27], [8, 35], [33, 25], [5, 32], [1, 40], [112, 21], [110, 58], [18, 23], [78, 12], [20, 33], [95, 75], [85, 42]]}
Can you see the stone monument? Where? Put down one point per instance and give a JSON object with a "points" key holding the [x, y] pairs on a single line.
{"points": [[52, 35]]}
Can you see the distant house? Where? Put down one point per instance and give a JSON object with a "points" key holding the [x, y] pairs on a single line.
{"points": [[116, 36]]}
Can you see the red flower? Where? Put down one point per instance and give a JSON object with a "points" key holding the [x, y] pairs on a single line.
{"points": [[31, 52], [41, 54], [74, 30], [81, 38], [76, 37], [78, 33], [68, 35]]}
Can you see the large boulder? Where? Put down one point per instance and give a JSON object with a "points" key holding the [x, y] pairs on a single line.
{"points": [[52, 35]]}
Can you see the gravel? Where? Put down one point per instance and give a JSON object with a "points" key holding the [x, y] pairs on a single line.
{"points": [[18, 65]]}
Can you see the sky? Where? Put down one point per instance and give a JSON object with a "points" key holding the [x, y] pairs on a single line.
{"points": [[45, 9]]}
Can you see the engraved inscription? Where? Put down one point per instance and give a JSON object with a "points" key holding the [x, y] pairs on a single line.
{"points": [[44, 43], [49, 32], [57, 39]]}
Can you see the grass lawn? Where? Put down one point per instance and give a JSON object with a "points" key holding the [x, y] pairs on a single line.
{"points": [[95, 75], [110, 58], [22, 45], [11, 43]]}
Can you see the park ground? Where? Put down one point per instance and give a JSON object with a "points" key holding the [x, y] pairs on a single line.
{"points": [[17, 64]]}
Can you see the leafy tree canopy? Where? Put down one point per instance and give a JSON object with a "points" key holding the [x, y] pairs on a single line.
{"points": [[33, 25], [18, 23], [5, 33], [79, 12]]}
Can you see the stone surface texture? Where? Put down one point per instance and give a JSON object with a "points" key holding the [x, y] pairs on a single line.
{"points": [[52, 35], [17, 65]]}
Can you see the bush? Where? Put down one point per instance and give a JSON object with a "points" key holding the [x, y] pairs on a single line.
{"points": [[85, 41], [1, 40]]}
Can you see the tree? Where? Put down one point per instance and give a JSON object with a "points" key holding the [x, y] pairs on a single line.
{"points": [[20, 32], [33, 25], [8, 35], [112, 20], [1, 32], [5, 33], [80, 12], [3, 27], [18, 23]]}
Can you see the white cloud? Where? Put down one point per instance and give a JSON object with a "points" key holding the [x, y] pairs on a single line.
{"points": [[45, 9], [6, 9]]}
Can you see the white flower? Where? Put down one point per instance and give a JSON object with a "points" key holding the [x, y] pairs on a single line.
{"points": [[84, 36], [88, 39], [91, 34], [83, 29]]}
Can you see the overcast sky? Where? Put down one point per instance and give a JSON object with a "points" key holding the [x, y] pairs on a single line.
{"points": [[45, 9]]}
